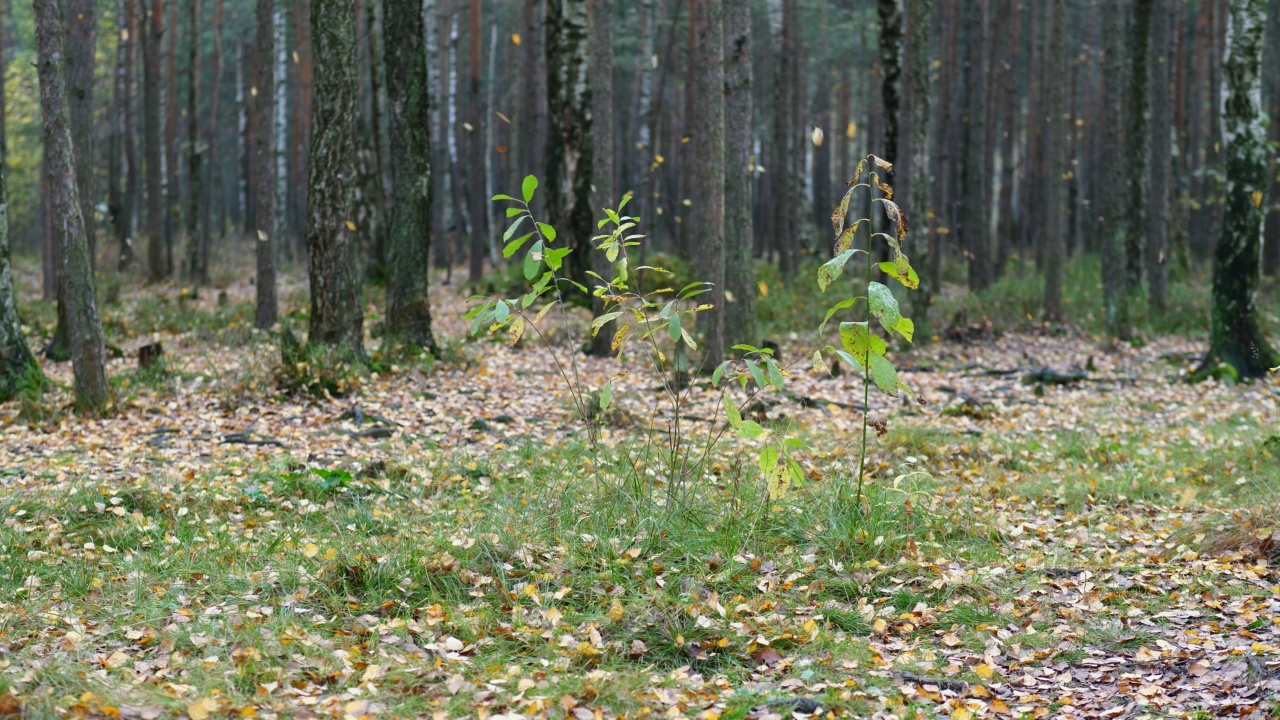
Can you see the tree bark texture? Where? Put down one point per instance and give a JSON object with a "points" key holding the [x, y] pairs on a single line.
{"points": [[76, 290], [408, 306], [336, 315], [264, 167], [569, 149], [1236, 335], [739, 262]]}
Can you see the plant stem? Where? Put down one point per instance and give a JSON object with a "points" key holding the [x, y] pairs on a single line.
{"points": [[866, 382]]}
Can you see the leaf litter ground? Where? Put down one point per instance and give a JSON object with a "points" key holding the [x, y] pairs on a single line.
{"points": [[431, 545]]}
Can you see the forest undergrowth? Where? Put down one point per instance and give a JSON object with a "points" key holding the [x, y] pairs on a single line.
{"points": [[1054, 529]]}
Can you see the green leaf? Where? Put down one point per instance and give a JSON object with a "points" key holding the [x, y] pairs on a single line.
{"points": [[908, 278], [743, 347], [884, 305], [855, 366], [885, 377], [528, 186], [511, 229], [843, 304], [514, 211], [603, 320], [606, 396], [768, 459], [754, 368], [555, 258], [533, 261], [673, 327], [857, 338], [731, 412], [831, 269], [511, 247], [775, 375], [751, 430], [718, 375], [500, 196], [906, 328], [548, 232]]}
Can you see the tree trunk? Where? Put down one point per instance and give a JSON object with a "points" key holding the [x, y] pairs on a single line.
{"points": [[128, 223], [1138, 143], [18, 367], [1056, 160], [911, 177], [709, 174], [408, 306], [336, 315], [88, 357], [974, 213], [1161, 166], [264, 167], [1236, 334], [195, 159], [600, 15], [1110, 218], [216, 185], [784, 230], [477, 203], [570, 154], [153, 141], [739, 264], [891, 69], [531, 129], [173, 200], [1271, 79], [81, 42]]}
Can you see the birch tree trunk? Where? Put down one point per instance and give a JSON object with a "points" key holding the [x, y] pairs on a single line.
{"points": [[408, 306], [570, 154], [1236, 335], [88, 356], [336, 315]]}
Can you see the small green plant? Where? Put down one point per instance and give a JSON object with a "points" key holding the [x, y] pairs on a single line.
{"points": [[863, 348], [656, 323]]}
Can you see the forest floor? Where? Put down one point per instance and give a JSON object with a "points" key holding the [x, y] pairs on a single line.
{"points": [[441, 542]]}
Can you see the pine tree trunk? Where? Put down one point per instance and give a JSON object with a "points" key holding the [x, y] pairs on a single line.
{"points": [[18, 368], [911, 179], [264, 167], [602, 139], [88, 357], [153, 141], [1110, 218], [709, 174], [207, 215], [336, 315], [1161, 161], [739, 263], [477, 203], [1056, 160], [408, 306], [1236, 334], [173, 200], [974, 213], [82, 36], [128, 226], [1138, 143], [570, 154], [195, 159]]}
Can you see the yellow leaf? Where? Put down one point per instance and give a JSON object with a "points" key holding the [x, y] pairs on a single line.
{"points": [[351, 226], [202, 709], [960, 713], [515, 39], [764, 288], [330, 554], [616, 613], [1257, 198], [984, 671], [851, 131], [310, 550]]}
